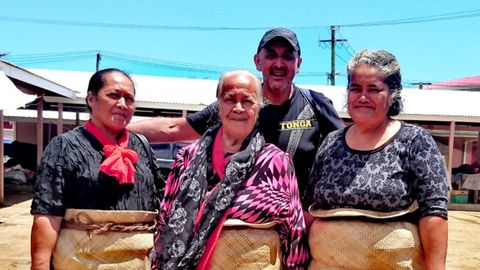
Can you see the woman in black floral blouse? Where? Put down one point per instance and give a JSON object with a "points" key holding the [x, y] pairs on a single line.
{"points": [[98, 166], [378, 168]]}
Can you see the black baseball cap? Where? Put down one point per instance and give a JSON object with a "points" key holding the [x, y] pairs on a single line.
{"points": [[285, 33]]}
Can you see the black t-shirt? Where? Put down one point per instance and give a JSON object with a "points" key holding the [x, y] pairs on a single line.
{"points": [[277, 122]]}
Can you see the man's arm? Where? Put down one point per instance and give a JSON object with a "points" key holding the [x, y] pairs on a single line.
{"points": [[43, 239], [165, 129]]}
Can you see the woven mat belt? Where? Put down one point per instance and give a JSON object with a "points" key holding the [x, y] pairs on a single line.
{"points": [[110, 227]]}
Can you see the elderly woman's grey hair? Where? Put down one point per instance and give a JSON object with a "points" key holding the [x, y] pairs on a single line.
{"points": [[258, 84], [388, 66]]}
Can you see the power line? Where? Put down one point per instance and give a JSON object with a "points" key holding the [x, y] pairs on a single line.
{"points": [[31, 59], [162, 62], [341, 58], [188, 66], [139, 26], [422, 19], [346, 44]]}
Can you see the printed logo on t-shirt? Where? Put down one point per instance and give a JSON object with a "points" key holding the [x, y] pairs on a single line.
{"points": [[297, 124]]}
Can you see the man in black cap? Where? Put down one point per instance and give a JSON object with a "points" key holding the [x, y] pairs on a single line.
{"points": [[294, 119]]}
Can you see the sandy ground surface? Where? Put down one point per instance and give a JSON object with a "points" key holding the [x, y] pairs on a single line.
{"points": [[16, 221]]}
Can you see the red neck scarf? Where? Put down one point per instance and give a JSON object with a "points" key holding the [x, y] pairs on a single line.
{"points": [[119, 160]]}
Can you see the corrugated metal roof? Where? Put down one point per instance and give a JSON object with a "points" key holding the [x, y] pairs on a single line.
{"points": [[49, 116], [425, 105], [12, 97], [194, 94], [441, 102], [153, 89], [34, 79]]}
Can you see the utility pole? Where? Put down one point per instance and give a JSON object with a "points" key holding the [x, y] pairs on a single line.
{"points": [[332, 42], [99, 58]]}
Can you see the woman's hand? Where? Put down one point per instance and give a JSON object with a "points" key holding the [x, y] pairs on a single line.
{"points": [[434, 237], [44, 235]]}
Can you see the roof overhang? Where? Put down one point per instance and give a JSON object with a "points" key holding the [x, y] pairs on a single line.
{"points": [[32, 83], [79, 101], [438, 118], [161, 93], [12, 97]]}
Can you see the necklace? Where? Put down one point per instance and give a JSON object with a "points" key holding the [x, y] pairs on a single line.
{"points": [[267, 98]]}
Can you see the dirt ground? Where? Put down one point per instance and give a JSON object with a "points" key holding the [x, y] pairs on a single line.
{"points": [[16, 221]]}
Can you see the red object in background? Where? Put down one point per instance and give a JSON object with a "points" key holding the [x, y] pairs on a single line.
{"points": [[460, 83], [474, 153], [7, 125]]}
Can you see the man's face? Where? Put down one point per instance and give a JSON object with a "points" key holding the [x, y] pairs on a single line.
{"points": [[278, 63]]}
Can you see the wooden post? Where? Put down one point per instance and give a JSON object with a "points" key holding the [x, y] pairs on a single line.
{"points": [[60, 119], [39, 128], [77, 118], [451, 141], [478, 148], [2, 182]]}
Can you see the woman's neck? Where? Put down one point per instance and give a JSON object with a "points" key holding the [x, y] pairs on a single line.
{"points": [[111, 135], [360, 137], [230, 144]]}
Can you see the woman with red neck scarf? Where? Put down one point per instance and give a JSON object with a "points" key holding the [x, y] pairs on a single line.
{"points": [[94, 184]]}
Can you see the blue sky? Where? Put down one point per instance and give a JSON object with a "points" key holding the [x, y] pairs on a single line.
{"points": [[133, 35]]}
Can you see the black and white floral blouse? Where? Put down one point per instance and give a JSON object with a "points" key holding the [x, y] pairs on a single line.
{"points": [[406, 168], [69, 177]]}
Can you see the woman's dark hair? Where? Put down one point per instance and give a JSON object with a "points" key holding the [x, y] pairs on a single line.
{"points": [[97, 81], [388, 66]]}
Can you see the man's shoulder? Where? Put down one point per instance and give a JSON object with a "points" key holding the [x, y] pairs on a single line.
{"points": [[318, 101], [202, 120], [314, 96], [322, 106]]}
